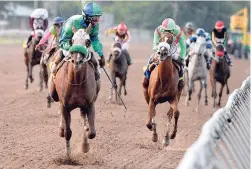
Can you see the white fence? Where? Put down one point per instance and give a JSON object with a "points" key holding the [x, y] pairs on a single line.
{"points": [[224, 142]]}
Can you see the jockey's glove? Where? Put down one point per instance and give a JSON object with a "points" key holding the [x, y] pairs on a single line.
{"points": [[101, 61]]}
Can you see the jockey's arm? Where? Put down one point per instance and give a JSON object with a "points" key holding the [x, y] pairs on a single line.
{"points": [[96, 44], [213, 39], [156, 40], [182, 43], [65, 37], [47, 35], [128, 37], [225, 38]]}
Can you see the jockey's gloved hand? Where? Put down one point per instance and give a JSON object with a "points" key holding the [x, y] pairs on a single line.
{"points": [[181, 61], [101, 61]]}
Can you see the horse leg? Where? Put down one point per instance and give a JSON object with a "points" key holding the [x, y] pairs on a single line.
{"points": [[124, 84], [30, 72], [199, 97], [65, 121], [120, 88], [214, 94], [41, 72], [27, 77], [220, 94], [52, 89], [151, 114], [228, 91], [91, 121], [205, 87], [189, 93], [169, 123], [155, 134], [176, 114], [85, 144]]}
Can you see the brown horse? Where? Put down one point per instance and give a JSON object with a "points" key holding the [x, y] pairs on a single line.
{"points": [[163, 87], [75, 86], [118, 68], [32, 57], [219, 72], [46, 58]]}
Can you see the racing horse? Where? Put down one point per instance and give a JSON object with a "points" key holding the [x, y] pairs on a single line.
{"points": [[32, 57], [197, 70], [164, 85], [219, 72], [74, 86], [118, 69]]}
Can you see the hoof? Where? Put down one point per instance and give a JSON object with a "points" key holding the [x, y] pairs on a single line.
{"points": [[32, 80], [48, 105], [206, 102], [61, 132], [228, 92], [85, 147], [26, 87], [91, 135], [149, 126], [189, 99], [173, 135], [86, 128], [155, 137], [165, 142], [187, 103], [125, 93]]}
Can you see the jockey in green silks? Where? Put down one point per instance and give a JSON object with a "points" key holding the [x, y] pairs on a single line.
{"points": [[169, 28]]}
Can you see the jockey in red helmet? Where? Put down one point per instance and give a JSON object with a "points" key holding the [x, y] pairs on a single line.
{"points": [[123, 36], [220, 36]]}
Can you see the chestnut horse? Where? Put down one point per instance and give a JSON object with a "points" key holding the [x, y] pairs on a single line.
{"points": [[74, 86], [32, 57], [163, 87], [219, 72]]}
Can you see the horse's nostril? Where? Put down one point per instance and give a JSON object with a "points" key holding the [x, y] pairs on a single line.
{"points": [[72, 61], [158, 53], [81, 61]]}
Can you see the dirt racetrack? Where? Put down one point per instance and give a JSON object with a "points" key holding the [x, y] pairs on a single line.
{"points": [[29, 130]]}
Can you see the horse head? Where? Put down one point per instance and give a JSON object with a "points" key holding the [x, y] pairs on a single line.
{"points": [[163, 51], [81, 37], [80, 43], [38, 34], [79, 56], [116, 50], [219, 52], [199, 47]]}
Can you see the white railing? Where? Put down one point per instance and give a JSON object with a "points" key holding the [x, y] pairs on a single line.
{"points": [[224, 142]]}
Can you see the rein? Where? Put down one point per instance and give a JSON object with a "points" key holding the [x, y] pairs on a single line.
{"points": [[78, 84]]}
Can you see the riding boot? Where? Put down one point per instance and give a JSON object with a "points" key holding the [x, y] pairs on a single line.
{"points": [[128, 58], [95, 64], [59, 58], [229, 62]]}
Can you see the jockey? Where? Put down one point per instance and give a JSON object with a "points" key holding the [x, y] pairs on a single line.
{"points": [[189, 30], [200, 32], [168, 27], [89, 20], [220, 36], [37, 20], [54, 30], [123, 36]]}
